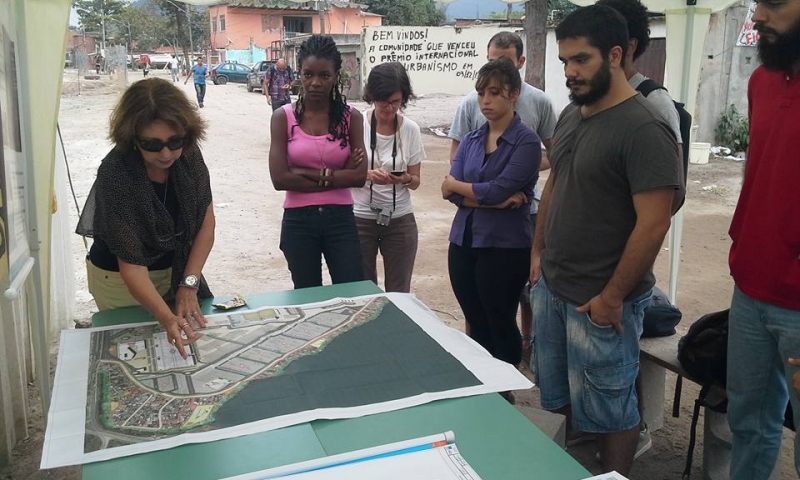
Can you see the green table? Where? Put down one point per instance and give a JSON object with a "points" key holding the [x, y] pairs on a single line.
{"points": [[497, 440]]}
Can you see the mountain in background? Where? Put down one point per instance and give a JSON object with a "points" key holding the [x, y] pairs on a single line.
{"points": [[477, 8]]}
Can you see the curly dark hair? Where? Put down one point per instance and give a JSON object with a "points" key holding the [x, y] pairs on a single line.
{"points": [[384, 80], [502, 69], [603, 28], [635, 15], [147, 101], [323, 46]]}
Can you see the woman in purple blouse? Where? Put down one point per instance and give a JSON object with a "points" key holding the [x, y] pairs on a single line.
{"points": [[491, 181]]}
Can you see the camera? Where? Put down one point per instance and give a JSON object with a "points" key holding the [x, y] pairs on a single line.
{"points": [[384, 214]]}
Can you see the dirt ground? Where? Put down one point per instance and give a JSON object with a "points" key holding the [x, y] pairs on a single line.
{"points": [[246, 257]]}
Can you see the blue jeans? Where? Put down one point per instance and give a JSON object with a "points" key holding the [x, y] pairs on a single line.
{"points": [[308, 233], [589, 367], [200, 90], [761, 337]]}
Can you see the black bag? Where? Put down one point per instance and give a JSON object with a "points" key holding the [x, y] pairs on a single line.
{"points": [[703, 353], [661, 316], [685, 119]]}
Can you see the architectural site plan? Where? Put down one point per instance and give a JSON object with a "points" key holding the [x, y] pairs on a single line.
{"points": [[124, 390]]}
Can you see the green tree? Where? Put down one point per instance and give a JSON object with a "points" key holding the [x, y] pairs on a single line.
{"points": [[559, 9], [409, 12], [91, 13], [143, 28]]}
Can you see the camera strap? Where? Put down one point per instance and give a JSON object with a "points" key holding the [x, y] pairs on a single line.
{"points": [[373, 142]]}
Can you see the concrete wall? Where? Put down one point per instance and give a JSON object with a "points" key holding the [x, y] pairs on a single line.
{"points": [[247, 57], [457, 76], [438, 59], [725, 72]]}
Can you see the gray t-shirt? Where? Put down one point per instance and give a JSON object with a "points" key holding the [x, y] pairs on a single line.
{"points": [[533, 107], [599, 163], [662, 102]]}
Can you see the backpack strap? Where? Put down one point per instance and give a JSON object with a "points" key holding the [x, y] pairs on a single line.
{"points": [[272, 71], [687, 470], [648, 86], [676, 400]]}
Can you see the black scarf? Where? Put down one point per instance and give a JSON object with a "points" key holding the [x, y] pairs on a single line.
{"points": [[123, 210]]}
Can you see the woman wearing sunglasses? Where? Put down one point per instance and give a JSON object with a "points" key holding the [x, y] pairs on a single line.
{"points": [[150, 212]]}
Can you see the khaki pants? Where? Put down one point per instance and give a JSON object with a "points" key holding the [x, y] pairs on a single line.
{"points": [[397, 244], [109, 289]]}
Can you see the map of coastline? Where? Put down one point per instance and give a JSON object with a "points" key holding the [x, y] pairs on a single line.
{"points": [[259, 364]]}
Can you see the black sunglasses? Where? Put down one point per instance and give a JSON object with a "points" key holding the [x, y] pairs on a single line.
{"points": [[155, 145]]}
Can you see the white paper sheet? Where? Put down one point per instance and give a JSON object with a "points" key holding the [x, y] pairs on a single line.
{"points": [[64, 439], [429, 458], [608, 476]]}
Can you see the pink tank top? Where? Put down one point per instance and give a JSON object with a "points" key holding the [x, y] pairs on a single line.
{"points": [[310, 151]]}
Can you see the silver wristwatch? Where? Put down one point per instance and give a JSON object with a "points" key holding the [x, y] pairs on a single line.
{"points": [[190, 281]]}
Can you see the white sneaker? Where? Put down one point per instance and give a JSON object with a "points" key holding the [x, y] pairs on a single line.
{"points": [[644, 444]]}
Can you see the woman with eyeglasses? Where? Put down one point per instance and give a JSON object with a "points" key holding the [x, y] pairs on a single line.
{"points": [[383, 209], [150, 212]]}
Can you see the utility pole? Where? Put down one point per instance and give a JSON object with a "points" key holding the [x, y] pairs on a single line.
{"points": [[321, 8], [189, 18], [103, 24]]}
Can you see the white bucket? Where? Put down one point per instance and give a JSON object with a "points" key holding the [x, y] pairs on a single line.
{"points": [[699, 152]]}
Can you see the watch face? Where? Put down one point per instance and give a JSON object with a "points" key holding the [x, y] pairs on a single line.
{"points": [[190, 280]]}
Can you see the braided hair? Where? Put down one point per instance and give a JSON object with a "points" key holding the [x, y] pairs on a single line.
{"points": [[323, 47]]}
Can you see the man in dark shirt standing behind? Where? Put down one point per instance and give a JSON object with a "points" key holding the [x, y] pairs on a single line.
{"points": [[606, 207], [277, 84]]}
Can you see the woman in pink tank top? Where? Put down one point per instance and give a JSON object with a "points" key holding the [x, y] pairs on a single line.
{"points": [[316, 155]]}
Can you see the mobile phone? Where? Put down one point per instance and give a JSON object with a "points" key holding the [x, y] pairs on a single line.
{"points": [[398, 174]]}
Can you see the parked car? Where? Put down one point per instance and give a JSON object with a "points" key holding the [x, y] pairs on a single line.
{"points": [[229, 72], [255, 79]]}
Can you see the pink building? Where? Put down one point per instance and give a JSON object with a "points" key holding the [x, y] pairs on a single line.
{"points": [[265, 24]]}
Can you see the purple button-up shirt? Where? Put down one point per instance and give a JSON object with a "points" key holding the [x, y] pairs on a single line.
{"points": [[512, 168]]}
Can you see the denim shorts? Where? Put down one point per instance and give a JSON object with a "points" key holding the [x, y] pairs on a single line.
{"points": [[525, 297], [589, 367]]}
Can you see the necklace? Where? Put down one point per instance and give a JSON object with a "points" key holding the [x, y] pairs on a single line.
{"points": [[320, 151], [166, 188]]}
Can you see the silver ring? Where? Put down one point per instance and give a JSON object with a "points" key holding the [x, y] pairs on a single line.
{"points": [[184, 325]]}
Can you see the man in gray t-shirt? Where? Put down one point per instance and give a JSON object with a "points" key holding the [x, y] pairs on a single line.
{"points": [[638, 20], [536, 112], [600, 164], [534, 108], [605, 211]]}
